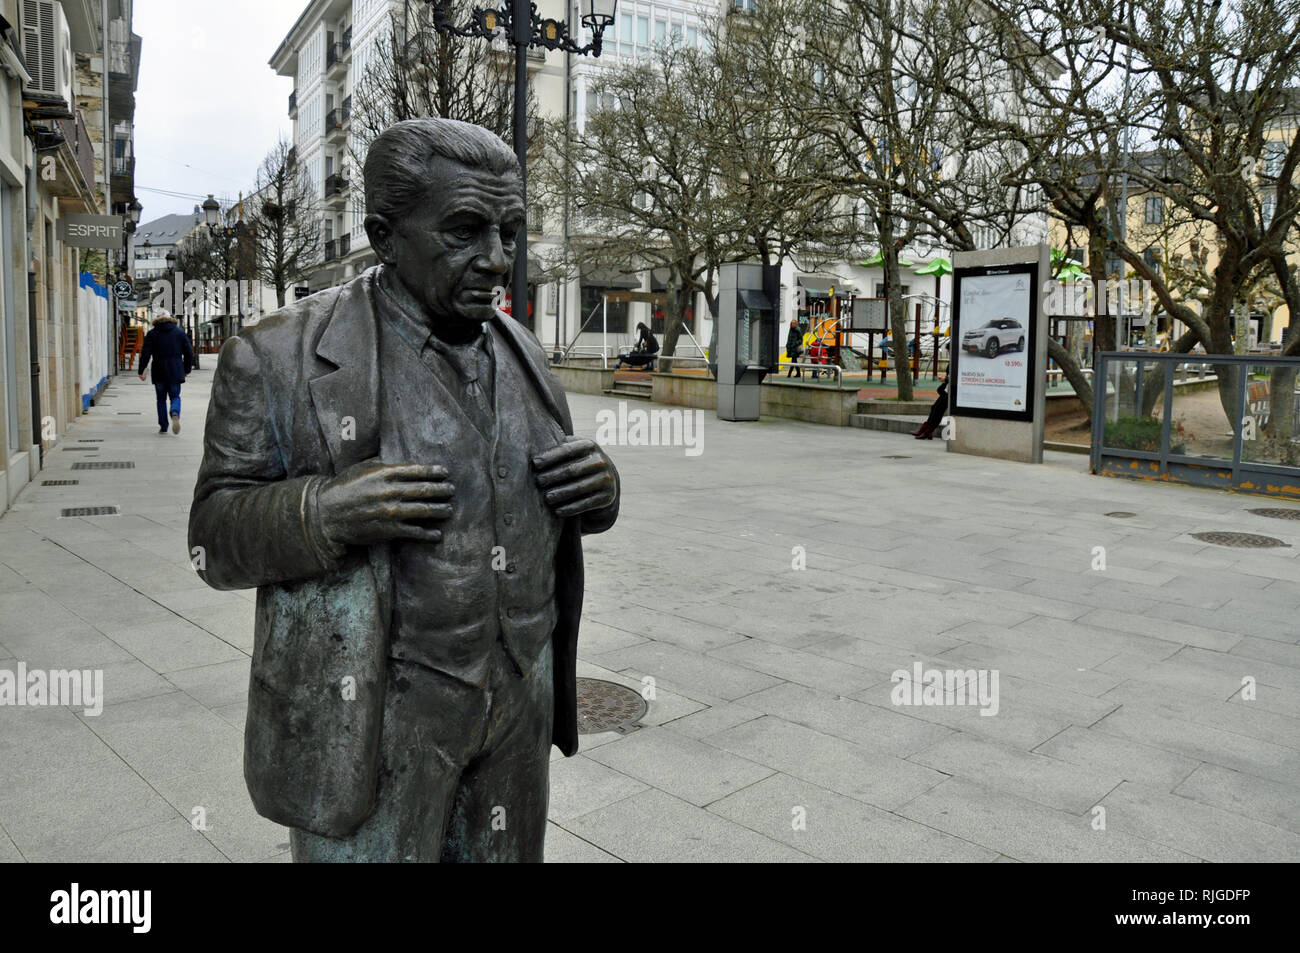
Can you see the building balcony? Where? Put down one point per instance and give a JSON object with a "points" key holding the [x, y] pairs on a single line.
{"points": [[344, 243], [337, 56], [76, 155], [293, 104], [336, 189], [331, 249], [123, 180], [334, 125]]}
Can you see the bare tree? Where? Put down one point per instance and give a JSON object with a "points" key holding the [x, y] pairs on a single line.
{"points": [[640, 178], [414, 71], [286, 221], [1170, 100], [914, 167]]}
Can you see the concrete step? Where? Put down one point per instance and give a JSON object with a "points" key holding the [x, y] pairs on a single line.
{"points": [[1066, 447], [891, 423], [894, 407], [630, 391]]}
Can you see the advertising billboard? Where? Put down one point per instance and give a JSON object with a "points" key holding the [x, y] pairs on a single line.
{"points": [[994, 321]]}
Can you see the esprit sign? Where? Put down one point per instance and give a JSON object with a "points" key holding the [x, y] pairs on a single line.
{"points": [[91, 231]]}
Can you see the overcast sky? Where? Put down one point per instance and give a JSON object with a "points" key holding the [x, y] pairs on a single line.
{"points": [[208, 108]]}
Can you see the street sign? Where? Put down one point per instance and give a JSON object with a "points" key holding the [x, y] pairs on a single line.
{"points": [[91, 231], [123, 289]]}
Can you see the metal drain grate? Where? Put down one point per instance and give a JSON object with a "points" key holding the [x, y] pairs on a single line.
{"points": [[608, 706], [1121, 515], [1239, 540], [104, 465], [1277, 514], [89, 511], [82, 449], [60, 482], [895, 456], [91, 440]]}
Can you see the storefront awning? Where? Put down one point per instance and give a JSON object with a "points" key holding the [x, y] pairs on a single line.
{"points": [[822, 285], [609, 278]]}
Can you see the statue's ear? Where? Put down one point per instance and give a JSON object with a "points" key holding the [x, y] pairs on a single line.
{"points": [[380, 231]]}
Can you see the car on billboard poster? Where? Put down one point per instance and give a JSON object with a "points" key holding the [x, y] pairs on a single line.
{"points": [[994, 321]]}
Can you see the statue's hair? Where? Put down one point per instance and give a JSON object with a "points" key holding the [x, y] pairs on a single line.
{"points": [[397, 163]]}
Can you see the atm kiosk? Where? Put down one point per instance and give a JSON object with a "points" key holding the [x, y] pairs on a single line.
{"points": [[747, 336]]}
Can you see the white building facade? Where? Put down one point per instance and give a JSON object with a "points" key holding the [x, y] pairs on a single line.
{"points": [[330, 46]]}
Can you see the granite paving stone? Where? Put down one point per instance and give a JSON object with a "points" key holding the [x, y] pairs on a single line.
{"points": [[1118, 689]]}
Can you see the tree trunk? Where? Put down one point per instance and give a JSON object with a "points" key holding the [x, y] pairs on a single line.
{"points": [[1073, 372], [674, 316], [897, 313]]}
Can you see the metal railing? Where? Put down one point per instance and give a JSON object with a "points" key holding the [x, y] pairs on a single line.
{"points": [[1235, 426], [816, 368]]}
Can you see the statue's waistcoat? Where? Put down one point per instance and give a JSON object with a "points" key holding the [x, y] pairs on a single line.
{"points": [[492, 576]]}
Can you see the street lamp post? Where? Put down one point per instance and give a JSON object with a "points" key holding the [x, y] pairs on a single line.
{"points": [[525, 27], [212, 218]]}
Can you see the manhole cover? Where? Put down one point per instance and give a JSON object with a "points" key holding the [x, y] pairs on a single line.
{"points": [[60, 482], [89, 511], [1121, 515], [895, 456], [1277, 514], [1239, 540], [607, 706], [104, 465]]}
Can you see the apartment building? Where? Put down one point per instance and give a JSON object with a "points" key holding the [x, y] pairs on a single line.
{"points": [[327, 51], [68, 73]]}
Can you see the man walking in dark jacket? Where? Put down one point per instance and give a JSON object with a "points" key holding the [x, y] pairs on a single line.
{"points": [[173, 357]]}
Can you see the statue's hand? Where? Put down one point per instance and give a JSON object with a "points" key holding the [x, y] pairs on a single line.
{"points": [[372, 502], [576, 477]]}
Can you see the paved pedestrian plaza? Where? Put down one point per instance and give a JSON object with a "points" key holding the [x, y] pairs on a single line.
{"points": [[764, 591]]}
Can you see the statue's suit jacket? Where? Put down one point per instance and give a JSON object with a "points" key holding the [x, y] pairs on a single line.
{"points": [[295, 400]]}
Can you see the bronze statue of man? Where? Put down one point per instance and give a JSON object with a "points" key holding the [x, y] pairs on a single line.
{"points": [[393, 467]]}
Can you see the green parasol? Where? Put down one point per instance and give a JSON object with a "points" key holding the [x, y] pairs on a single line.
{"points": [[940, 266], [876, 260]]}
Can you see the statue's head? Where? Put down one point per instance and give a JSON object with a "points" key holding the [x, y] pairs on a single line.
{"points": [[444, 202]]}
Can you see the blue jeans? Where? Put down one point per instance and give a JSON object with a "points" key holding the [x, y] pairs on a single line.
{"points": [[164, 391]]}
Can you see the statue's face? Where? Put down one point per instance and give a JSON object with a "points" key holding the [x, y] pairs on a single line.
{"points": [[452, 252]]}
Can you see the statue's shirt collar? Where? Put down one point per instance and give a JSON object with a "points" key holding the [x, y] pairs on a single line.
{"points": [[403, 316]]}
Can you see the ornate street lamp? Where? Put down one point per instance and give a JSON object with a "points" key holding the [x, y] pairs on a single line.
{"points": [[521, 25], [133, 211], [211, 212]]}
